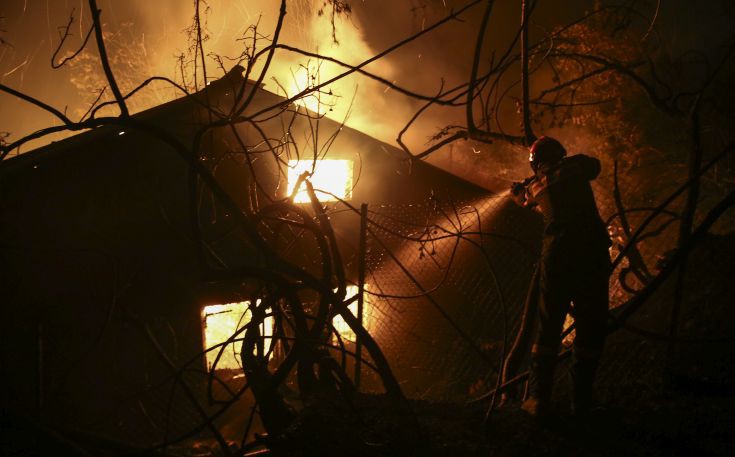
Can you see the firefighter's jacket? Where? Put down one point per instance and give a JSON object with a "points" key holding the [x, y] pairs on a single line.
{"points": [[563, 195]]}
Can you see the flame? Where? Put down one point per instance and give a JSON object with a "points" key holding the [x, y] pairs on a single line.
{"points": [[569, 339], [221, 322], [359, 102], [317, 102], [368, 319], [332, 177]]}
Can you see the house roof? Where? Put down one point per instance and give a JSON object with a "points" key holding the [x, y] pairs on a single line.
{"points": [[175, 116], [183, 116]]}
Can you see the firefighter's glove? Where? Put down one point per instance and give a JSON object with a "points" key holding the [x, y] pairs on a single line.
{"points": [[517, 188]]}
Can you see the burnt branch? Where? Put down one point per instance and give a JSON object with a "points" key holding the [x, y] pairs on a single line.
{"points": [[526, 109], [66, 34], [34, 101], [104, 60]]}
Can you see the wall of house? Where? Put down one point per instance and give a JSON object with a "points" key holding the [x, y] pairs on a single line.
{"points": [[95, 248]]}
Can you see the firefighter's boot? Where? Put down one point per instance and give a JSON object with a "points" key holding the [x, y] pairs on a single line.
{"points": [[582, 376], [540, 383]]}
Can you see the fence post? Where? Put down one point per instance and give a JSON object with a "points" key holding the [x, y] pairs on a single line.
{"points": [[685, 231], [360, 290]]}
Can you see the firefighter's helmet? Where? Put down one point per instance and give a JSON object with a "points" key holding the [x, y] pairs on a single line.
{"points": [[545, 150]]}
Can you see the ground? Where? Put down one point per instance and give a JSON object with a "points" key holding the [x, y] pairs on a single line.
{"points": [[651, 405], [674, 423]]}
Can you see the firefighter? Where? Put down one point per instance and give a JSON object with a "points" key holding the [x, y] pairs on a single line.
{"points": [[573, 271]]}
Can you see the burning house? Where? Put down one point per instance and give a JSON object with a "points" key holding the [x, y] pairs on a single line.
{"points": [[106, 303]]}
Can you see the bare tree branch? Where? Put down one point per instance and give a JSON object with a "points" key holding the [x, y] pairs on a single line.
{"points": [[34, 101], [64, 37], [97, 25], [527, 127]]}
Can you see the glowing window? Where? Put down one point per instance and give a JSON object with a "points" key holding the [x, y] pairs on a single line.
{"points": [[220, 323], [569, 339], [341, 326], [331, 179]]}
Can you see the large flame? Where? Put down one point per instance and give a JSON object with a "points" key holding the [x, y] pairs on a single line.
{"points": [[221, 322], [368, 318], [319, 101], [332, 179]]}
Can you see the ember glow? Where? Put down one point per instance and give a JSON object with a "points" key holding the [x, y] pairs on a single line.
{"points": [[317, 102], [220, 323], [569, 339], [344, 330], [332, 179]]}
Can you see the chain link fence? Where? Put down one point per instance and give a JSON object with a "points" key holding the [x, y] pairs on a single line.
{"points": [[448, 281]]}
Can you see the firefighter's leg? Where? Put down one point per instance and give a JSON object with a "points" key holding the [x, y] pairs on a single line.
{"points": [[582, 373], [590, 315], [553, 307]]}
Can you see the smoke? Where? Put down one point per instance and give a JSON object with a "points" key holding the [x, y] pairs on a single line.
{"points": [[145, 37]]}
